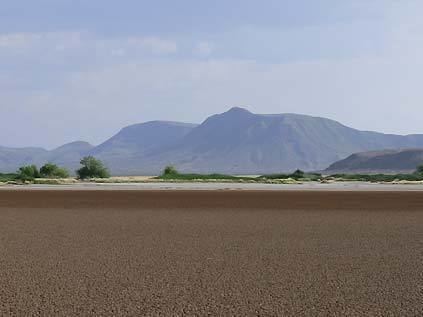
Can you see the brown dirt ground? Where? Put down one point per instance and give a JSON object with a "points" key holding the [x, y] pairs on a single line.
{"points": [[211, 252]]}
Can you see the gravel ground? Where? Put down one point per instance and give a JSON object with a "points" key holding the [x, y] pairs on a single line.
{"points": [[309, 253]]}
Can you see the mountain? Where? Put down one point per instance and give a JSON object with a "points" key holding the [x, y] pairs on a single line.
{"points": [[237, 141], [67, 155], [11, 159], [144, 137], [388, 161], [134, 143]]}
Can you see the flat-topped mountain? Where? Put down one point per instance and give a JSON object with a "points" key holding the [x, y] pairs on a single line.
{"points": [[237, 141], [388, 161]]}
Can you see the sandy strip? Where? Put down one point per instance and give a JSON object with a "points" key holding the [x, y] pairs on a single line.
{"points": [[338, 186]]}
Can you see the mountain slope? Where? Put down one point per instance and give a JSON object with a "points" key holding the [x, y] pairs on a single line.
{"points": [[125, 152], [70, 154], [144, 137], [389, 161]]}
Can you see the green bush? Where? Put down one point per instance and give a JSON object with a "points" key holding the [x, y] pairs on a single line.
{"points": [[92, 168], [28, 173], [419, 170], [374, 178], [51, 170], [297, 175], [8, 177], [170, 171]]}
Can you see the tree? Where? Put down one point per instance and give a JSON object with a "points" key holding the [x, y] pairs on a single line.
{"points": [[419, 169], [92, 168], [51, 170], [298, 174], [28, 173], [169, 170]]}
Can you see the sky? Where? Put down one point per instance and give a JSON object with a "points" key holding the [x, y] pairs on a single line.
{"points": [[81, 70]]}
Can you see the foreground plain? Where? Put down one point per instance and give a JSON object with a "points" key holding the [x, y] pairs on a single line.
{"points": [[211, 252]]}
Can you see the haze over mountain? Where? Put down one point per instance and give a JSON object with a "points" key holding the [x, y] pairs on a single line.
{"points": [[236, 141], [67, 155], [388, 161]]}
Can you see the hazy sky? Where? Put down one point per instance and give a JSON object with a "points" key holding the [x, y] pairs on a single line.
{"points": [[81, 70]]}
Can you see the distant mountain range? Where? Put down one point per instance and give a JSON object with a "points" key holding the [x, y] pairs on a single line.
{"points": [[67, 155], [237, 142], [388, 161]]}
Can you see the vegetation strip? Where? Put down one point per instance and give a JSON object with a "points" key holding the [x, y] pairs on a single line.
{"points": [[94, 170]]}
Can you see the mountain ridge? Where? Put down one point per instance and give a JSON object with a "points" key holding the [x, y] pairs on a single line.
{"points": [[387, 161], [236, 141]]}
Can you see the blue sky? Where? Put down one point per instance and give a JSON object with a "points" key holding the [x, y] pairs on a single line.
{"points": [[81, 70]]}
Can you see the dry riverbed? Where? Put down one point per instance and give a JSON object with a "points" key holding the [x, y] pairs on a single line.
{"points": [[286, 253]]}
